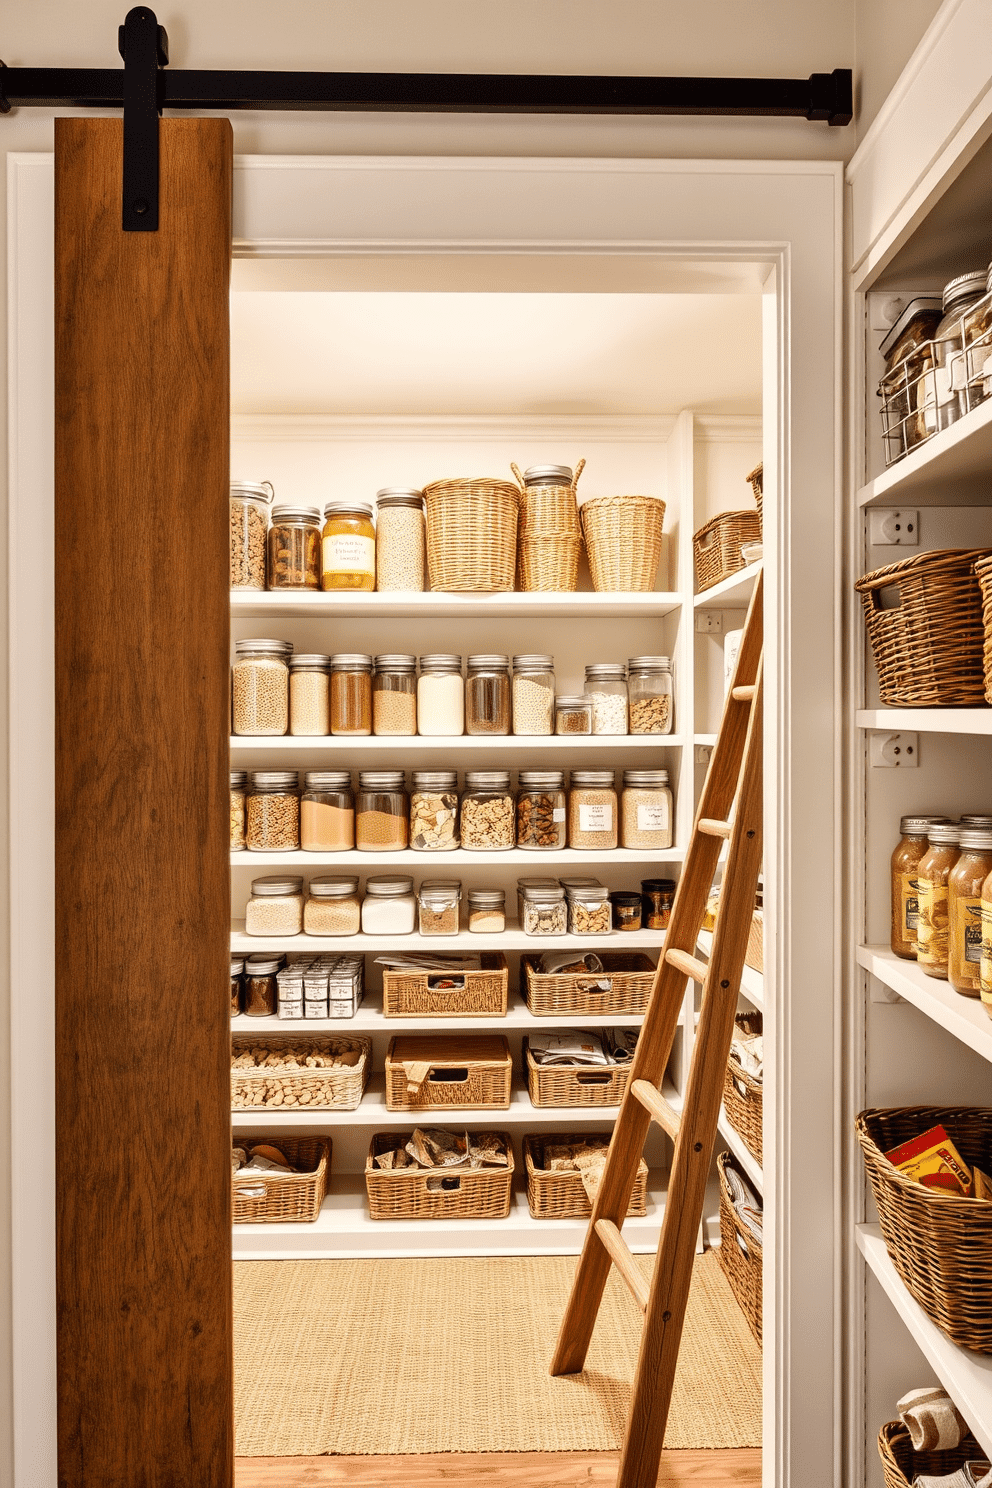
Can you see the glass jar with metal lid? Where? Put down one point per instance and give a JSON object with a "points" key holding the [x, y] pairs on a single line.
{"points": [[525, 885], [273, 817], [348, 546], [646, 809], [573, 714], [400, 532], [261, 989], [589, 911], [657, 898], [434, 811], [606, 685], [294, 548], [541, 810], [533, 694], [237, 972], [627, 909], [544, 911], [487, 811], [905, 889], [239, 783], [487, 911], [351, 693], [250, 502], [394, 694], [260, 686], [275, 906], [944, 389], [382, 822], [389, 906], [978, 344], [592, 810], [441, 696], [438, 902], [327, 812], [487, 695], [932, 874], [649, 688], [333, 906], [309, 693], [964, 911]]}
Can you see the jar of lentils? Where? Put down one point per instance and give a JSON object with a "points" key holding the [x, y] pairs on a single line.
{"points": [[394, 695], [606, 685], [309, 694], [646, 809], [294, 548], [434, 811], [275, 906], [649, 686], [382, 821], [260, 687], [533, 694], [399, 546], [541, 814], [351, 694], [488, 823], [239, 782], [441, 696], [250, 504], [273, 817], [573, 714], [487, 695], [592, 810]]}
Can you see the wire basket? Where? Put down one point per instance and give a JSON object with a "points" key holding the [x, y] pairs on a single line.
{"points": [[741, 1256], [901, 1464], [716, 547], [742, 1093], [623, 540], [439, 1193], [562, 1195], [472, 535], [272, 1198]]}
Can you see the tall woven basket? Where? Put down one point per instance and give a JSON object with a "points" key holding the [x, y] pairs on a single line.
{"points": [[983, 569], [549, 536], [623, 540], [472, 535], [901, 1464]]}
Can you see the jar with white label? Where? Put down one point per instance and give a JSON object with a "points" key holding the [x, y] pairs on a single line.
{"points": [[399, 539], [389, 906], [438, 902], [348, 546], [606, 685], [649, 688], [441, 696], [592, 810], [646, 809], [309, 694], [534, 694], [260, 686], [964, 911], [275, 906], [542, 824]]}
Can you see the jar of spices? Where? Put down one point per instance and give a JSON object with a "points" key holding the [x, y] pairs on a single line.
{"points": [[351, 694], [273, 811], [626, 907], [275, 906], [487, 811], [606, 685], [261, 990], [438, 903], [309, 693], [389, 906], [250, 504], [657, 898], [327, 812], [382, 820], [944, 389], [400, 531], [237, 971], [348, 557], [592, 810], [589, 911], [541, 813], [964, 910], [904, 866], [649, 688], [487, 695], [646, 809], [239, 782], [573, 714], [441, 696], [932, 875], [434, 811], [394, 694], [534, 694], [487, 911], [260, 686], [294, 548], [333, 906], [544, 911]]}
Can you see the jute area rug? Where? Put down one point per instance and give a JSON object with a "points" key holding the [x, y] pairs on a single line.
{"points": [[385, 1357]]}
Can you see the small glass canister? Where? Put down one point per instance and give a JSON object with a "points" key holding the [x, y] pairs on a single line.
{"points": [[943, 391], [592, 810], [978, 341], [327, 812], [627, 909], [348, 546], [382, 817], [488, 823], [260, 686], [487, 695], [657, 898], [237, 972], [438, 902], [239, 784], [533, 694], [294, 548], [649, 686], [333, 906], [965, 885], [441, 696], [389, 906], [573, 714], [434, 811], [273, 817], [275, 906], [606, 685], [394, 695], [589, 911], [487, 911], [544, 911], [542, 824], [309, 694], [524, 886], [351, 694], [399, 545], [646, 809], [261, 989], [250, 502]]}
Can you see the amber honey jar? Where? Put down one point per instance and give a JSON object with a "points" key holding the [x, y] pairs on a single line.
{"points": [[348, 546], [905, 887]]}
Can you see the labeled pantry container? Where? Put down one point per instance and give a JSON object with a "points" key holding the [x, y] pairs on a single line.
{"points": [[348, 546]]}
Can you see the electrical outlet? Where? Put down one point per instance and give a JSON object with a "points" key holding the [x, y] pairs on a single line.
{"points": [[709, 622], [897, 529], [894, 751], [883, 311]]}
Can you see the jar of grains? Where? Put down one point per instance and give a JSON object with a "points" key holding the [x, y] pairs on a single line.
{"points": [[249, 525], [487, 695], [964, 911], [932, 875], [441, 696], [294, 548], [394, 694], [657, 898], [348, 560], [327, 812], [309, 693], [333, 906], [541, 814], [544, 911], [487, 911], [351, 694], [573, 714], [649, 685], [592, 810], [434, 811], [260, 687], [382, 821], [438, 903], [626, 907], [399, 550], [487, 811], [239, 780], [606, 685], [273, 816], [646, 809], [533, 694], [905, 862], [589, 911], [389, 906], [237, 971], [275, 906], [261, 989]]}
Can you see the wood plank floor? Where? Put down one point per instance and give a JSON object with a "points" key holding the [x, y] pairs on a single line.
{"points": [[740, 1468]]}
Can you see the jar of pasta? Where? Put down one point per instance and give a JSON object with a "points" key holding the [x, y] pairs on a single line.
{"points": [[487, 695], [649, 687], [273, 817], [964, 911], [327, 812], [394, 694], [534, 694], [309, 693], [441, 696], [592, 810], [250, 504], [438, 902], [646, 809], [606, 685], [932, 875], [239, 782], [260, 686], [382, 822], [348, 546], [333, 906], [351, 694], [905, 862], [541, 813], [275, 906], [400, 530]]}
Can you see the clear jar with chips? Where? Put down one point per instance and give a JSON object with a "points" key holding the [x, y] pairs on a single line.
{"points": [[273, 816], [250, 502], [239, 785], [294, 548], [351, 694], [309, 694], [260, 686], [394, 695], [649, 689]]}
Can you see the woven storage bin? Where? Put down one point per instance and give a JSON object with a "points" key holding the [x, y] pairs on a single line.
{"points": [[742, 1093], [549, 539], [623, 540], [479, 994], [472, 534], [740, 1254], [561, 1195], [756, 480], [939, 1244], [271, 1198], [754, 956], [570, 1085], [549, 565], [983, 569], [317, 1089], [448, 1193], [929, 650], [630, 975], [901, 1464], [471, 1069], [716, 547]]}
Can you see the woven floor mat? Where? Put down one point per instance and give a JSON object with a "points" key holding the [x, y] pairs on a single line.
{"points": [[383, 1357]]}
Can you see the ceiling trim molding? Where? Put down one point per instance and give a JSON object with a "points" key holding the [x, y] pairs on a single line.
{"points": [[471, 428]]}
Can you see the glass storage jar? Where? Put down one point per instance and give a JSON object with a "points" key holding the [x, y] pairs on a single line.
{"points": [[333, 906], [649, 688], [348, 548], [905, 889], [524, 885], [657, 898], [592, 810], [389, 906], [382, 822], [294, 548], [394, 695], [309, 694], [399, 540], [487, 911], [441, 696], [978, 341], [273, 818], [541, 813], [261, 990], [487, 811], [544, 911], [932, 875], [626, 909], [250, 502], [573, 714], [606, 685], [487, 695], [275, 906], [434, 811], [438, 902], [646, 809], [327, 812], [533, 708], [589, 911], [237, 972], [239, 783], [985, 966], [260, 687], [351, 694], [964, 911], [944, 389]]}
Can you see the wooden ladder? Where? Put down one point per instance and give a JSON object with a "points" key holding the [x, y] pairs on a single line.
{"points": [[734, 775]]}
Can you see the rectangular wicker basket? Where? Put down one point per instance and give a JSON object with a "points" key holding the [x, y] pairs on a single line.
{"points": [[562, 1195], [716, 547], [742, 1093], [472, 1069], [317, 1089], [476, 994], [571, 1085], [629, 975], [453, 1193], [901, 1463], [272, 1198], [740, 1254]]}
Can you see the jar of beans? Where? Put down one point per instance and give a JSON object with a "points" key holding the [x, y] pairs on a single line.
{"points": [[260, 686], [649, 686], [309, 693], [333, 906], [399, 546], [351, 694], [533, 694], [606, 685], [541, 813], [327, 812], [646, 809], [394, 694], [249, 524], [294, 548], [275, 906], [488, 818], [273, 816], [434, 811], [487, 695], [261, 989], [573, 714], [382, 821], [237, 971], [592, 810], [239, 783]]}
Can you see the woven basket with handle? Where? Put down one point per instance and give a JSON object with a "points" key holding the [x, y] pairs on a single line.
{"points": [[549, 542], [717, 545], [740, 1254], [472, 535], [271, 1198], [742, 1093], [901, 1464], [623, 986], [561, 1194], [436, 1193], [551, 1085], [623, 540]]}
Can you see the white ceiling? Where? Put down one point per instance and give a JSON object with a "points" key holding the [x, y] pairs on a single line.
{"points": [[487, 353]]}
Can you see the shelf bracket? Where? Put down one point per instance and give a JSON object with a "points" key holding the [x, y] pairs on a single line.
{"points": [[144, 45]]}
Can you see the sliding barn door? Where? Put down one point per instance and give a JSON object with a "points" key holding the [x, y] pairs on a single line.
{"points": [[142, 905]]}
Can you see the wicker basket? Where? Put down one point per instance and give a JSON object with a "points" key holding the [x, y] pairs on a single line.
{"points": [[570, 1085], [754, 956], [756, 480], [549, 540], [317, 1089], [472, 1069], [549, 565], [983, 569], [562, 1195], [271, 1198], [623, 540], [742, 1093], [929, 650], [740, 1254], [550, 995], [418, 1193], [901, 1464], [472, 535], [478, 994], [939, 1243], [716, 546]]}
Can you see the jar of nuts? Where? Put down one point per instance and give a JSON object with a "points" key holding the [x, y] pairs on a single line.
{"points": [[650, 688], [394, 694], [275, 906], [249, 525], [592, 810], [541, 814], [294, 548], [606, 685], [589, 911], [487, 812], [273, 817], [544, 911], [260, 686], [309, 694], [434, 811], [239, 782], [438, 902]]}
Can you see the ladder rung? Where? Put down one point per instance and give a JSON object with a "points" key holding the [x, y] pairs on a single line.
{"points": [[622, 1258], [743, 694], [682, 961], [655, 1103], [711, 828]]}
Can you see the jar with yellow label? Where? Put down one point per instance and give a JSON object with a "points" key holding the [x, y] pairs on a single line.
{"points": [[348, 546], [985, 965], [905, 863], [933, 873], [964, 911]]}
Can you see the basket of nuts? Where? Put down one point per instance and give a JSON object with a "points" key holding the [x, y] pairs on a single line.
{"points": [[319, 1073]]}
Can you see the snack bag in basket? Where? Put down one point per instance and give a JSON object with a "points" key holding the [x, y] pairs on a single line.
{"points": [[933, 1160]]}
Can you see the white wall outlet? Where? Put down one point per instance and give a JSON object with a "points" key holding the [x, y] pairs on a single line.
{"points": [[709, 622], [894, 751], [897, 529], [883, 311], [702, 754]]}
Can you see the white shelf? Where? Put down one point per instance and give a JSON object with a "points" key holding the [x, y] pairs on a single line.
{"points": [[370, 1019], [965, 1375], [750, 1164], [425, 864], [952, 469], [732, 593], [417, 745], [963, 1017], [353, 606], [927, 720], [708, 741], [511, 939], [752, 982]]}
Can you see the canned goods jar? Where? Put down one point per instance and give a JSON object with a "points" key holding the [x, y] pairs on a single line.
{"points": [[394, 695], [438, 902], [533, 694], [627, 909], [260, 686], [589, 910], [932, 875], [487, 911], [250, 502], [964, 911], [905, 888], [389, 906], [351, 694], [261, 989], [541, 813], [434, 811], [327, 812], [487, 812], [399, 540], [348, 546], [382, 822], [309, 694], [273, 811], [441, 696], [487, 695], [592, 810], [275, 906], [573, 714], [294, 548], [657, 898], [606, 685], [239, 783], [237, 971], [333, 906], [646, 809], [649, 689]]}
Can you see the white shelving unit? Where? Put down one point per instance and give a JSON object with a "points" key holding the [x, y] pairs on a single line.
{"points": [[729, 594], [511, 939], [968, 722]]}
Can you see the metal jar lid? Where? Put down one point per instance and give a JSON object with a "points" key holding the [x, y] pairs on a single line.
{"points": [[553, 894], [239, 779], [441, 661], [435, 780], [625, 898], [649, 664], [382, 780], [351, 661], [330, 886], [548, 475], [237, 965], [542, 779], [533, 661], [606, 671], [645, 778], [262, 965], [400, 496], [977, 838], [263, 647], [964, 287], [327, 780], [917, 826], [256, 490], [396, 661], [523, 884], [275, 780], [276, 884], [571, 702], [596, 779], [441, 888], [982, 819], [490, 897], [388, 885], [487, 780], [591, 894], [488, 663], [282, 514], [657, 885], [579, 881], [945, 835], [257, 957], [348, 508], [309, 661]]}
